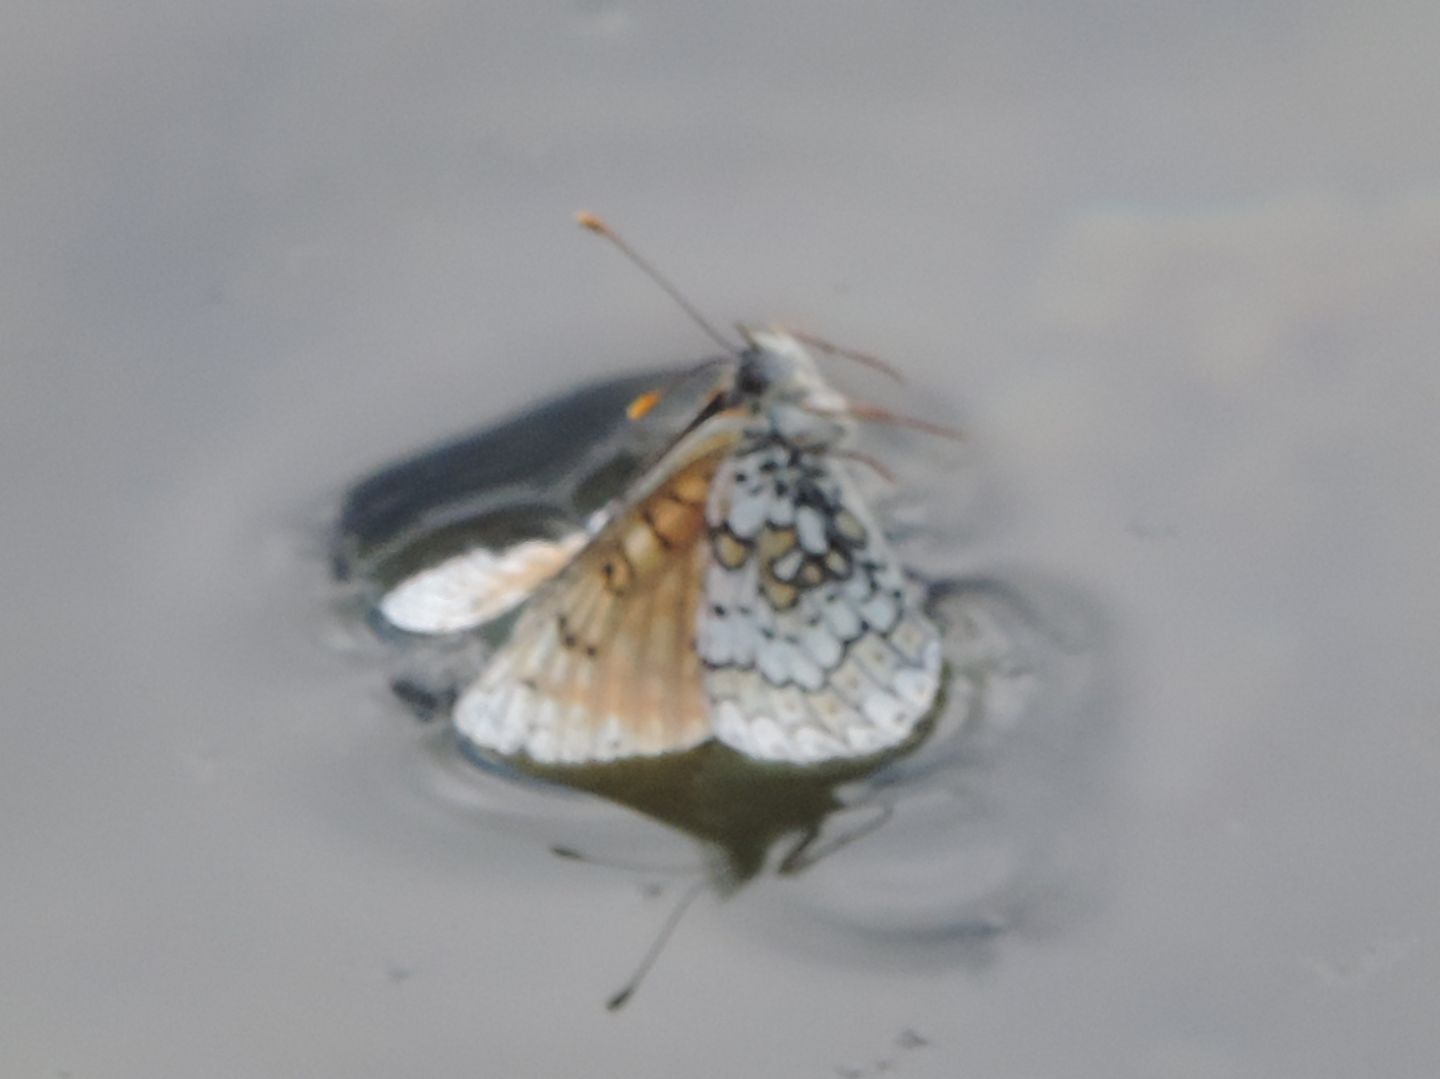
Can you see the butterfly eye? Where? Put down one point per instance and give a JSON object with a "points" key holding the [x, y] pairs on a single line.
{"points": [[751, 381], [642, 405]]}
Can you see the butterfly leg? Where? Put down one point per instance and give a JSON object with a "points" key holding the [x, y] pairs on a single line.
{"points": [[807, 851]]}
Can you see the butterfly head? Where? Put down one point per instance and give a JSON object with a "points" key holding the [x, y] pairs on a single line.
{"points": [[775, 368], [777, 385], [771, 387]]}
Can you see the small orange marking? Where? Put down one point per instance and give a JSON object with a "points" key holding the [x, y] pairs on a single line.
{"points": [[693, 487], [731, 552], [674, 522], [782, 596], [775, 542], [642, 405]]}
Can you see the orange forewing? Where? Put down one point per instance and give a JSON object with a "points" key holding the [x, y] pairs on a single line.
{"points": [[602, 664]]}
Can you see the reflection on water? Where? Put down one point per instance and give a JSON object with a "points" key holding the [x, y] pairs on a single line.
{"points": [[946, 837]]}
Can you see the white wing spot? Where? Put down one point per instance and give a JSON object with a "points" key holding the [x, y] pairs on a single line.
{"points": [[910, 639], [879, 612], [805, 672], [747, 514], [810, 530], [915, 687], [767, 738], [541, 745], [790, 707], [782, 512], [864, 739], [841, 617], [822, 646], [575, 743], [884, 711], [813, 745], [850, 682], [878, 659], [731, 727], [771, 661], [787, 565]]}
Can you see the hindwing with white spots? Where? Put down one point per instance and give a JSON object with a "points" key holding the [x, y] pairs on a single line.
{"points": [[814, 644]]}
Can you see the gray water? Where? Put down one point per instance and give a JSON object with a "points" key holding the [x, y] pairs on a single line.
{"points": [[1173, 267]]}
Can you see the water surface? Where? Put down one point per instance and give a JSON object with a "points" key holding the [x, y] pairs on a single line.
{"points": [[1174, 271]]}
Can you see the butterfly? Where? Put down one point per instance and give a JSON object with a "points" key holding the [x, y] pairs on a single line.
{"points": [[740, 590]]}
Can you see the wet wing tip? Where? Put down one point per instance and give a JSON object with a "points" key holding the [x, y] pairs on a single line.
{"points": [[475, 587]]}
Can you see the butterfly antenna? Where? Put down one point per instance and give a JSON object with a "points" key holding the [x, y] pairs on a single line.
{"points": [[875, 414], [809, 850], [869, 462], [662, 938], [832, 349], [592, 222]]}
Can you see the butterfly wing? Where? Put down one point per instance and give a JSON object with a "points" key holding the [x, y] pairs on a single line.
{"points": [[815, 645], [476, 586], [602, 664]]}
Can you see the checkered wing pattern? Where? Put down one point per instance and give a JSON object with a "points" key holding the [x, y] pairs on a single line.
{"points": [[814, 644]]}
